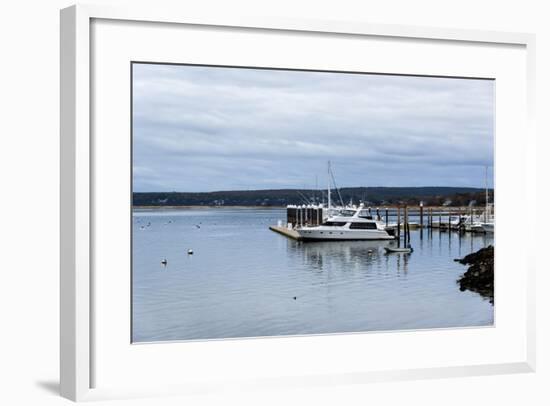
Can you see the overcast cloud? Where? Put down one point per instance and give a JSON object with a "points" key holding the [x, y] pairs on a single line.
{"points": [[206, 129]]}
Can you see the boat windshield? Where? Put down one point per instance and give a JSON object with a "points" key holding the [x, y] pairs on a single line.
{"points": [[347, 213], [334, 223], [363, 226]]}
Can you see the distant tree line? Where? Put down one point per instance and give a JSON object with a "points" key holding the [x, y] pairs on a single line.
{"points": [[375, 196]]}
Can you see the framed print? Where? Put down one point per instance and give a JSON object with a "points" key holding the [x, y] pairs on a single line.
{"points": [[263, 202]]}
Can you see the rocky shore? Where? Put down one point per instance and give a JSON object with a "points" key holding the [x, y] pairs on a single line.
{"points": [[480, 275]]}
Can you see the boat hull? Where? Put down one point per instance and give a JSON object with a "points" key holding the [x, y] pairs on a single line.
{"points": [[474, 228], [312, 234], [398, 250]]}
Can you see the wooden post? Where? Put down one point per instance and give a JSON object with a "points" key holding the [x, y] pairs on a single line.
{"points": [[421, 220], [386, 216], [439, 218], [449, 219], [405, 226], [398, 226], [408, 230], [378, 214]]}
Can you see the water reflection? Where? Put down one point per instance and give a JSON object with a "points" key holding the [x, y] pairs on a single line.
{"points": [[355, 254], [346, 256], [369, 256]]}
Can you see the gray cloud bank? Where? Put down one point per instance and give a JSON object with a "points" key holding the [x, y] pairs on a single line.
{"points": [[207, 128]]}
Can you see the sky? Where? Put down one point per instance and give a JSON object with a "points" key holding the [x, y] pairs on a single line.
{"points": [[199, 129]]}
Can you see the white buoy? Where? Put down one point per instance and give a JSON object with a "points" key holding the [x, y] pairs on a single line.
{"points": [[164, 262], [190, 251]]}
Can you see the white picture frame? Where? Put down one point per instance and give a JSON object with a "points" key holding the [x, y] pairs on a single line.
{"points": [[77, 281]]}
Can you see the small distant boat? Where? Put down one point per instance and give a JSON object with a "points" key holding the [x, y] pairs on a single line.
{"points": [[404, 250], [488, 227], [476, 227]]}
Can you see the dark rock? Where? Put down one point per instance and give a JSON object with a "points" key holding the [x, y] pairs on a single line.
{"points": [[480, 275]]}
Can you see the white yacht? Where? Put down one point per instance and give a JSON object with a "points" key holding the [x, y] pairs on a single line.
{"points": [[488, 227], [344, 223], [348, 224]]}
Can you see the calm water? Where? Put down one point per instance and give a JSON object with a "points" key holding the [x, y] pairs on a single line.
{"points": [[242, 279]]}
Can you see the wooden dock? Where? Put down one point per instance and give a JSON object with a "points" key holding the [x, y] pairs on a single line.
{"points": [[286, 232]]}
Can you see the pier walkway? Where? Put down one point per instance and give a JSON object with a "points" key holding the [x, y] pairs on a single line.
{"points": [[286, 232]]}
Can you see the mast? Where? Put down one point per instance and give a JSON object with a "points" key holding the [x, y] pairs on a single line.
{"points": [[315, 201], [328, 186], [486, 195]]}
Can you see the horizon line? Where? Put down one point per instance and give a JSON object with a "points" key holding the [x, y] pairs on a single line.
{"points": [[319, 189]]}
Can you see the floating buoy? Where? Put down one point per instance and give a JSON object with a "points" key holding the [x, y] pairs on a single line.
{"points": [[294, 298], [164, 262], [196, 225], [190, 252]]}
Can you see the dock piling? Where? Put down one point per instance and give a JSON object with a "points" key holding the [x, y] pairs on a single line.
{"points": [[398, 226], [407, 228], [421, 220]]}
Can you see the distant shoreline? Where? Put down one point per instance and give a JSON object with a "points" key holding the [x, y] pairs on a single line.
{"points": [[430, 196], [204, 207], [412, 207]]}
